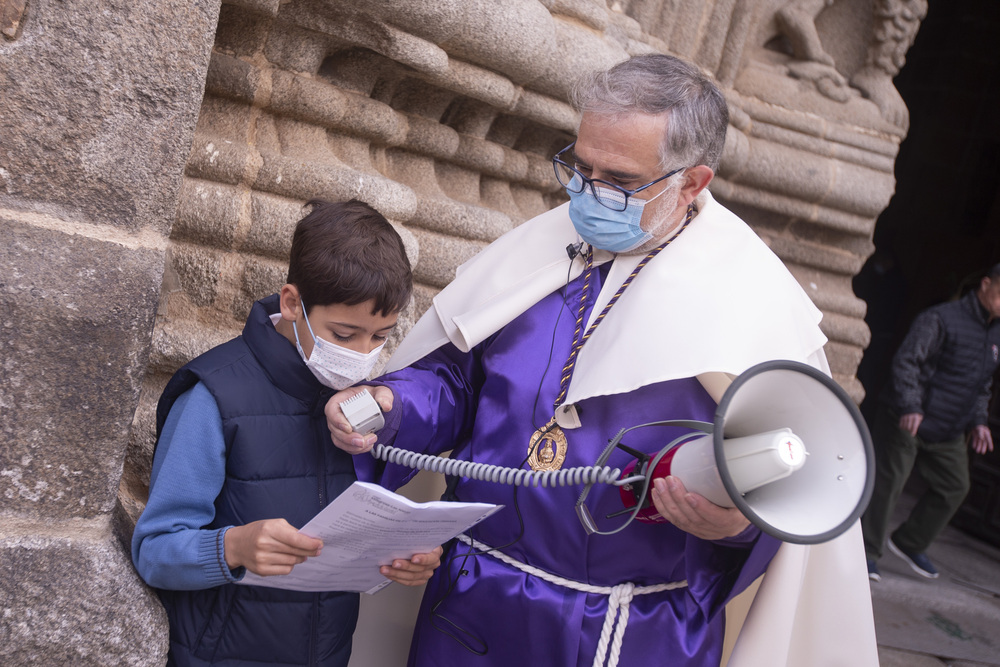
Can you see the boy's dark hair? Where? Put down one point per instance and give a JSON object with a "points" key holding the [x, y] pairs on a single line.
{"points": [[347, 252]]}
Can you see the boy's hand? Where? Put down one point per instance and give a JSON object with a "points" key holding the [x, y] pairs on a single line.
{"points": [[344, 437], [415, 571], [268, 547]]}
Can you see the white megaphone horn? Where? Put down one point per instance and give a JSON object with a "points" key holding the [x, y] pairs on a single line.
{"points": [[788, 447]]}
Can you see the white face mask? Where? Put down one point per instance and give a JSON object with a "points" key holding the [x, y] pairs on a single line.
{"points": [[334, 366]]}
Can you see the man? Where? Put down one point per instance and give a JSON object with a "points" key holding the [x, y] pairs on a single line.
{"points": [[939, 391], [598, 315]]}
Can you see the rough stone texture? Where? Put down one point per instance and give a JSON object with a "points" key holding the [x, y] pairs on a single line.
{"points": [[76, 84], [76, 599], [97, 113], [889, 657], [83, 323]]}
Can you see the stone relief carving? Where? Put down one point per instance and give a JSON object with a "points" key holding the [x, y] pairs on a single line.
{"points": [[897, 22], [894, 25], [843, 48]]}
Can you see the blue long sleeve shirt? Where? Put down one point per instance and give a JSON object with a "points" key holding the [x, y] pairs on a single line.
{"points": [[170, 547]]}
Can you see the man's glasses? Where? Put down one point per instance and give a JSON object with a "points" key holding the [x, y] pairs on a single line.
{"points": [[608, 194]]}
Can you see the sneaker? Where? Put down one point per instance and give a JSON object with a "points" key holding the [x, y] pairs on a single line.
{"points": [[920, 563], [873, 572]]}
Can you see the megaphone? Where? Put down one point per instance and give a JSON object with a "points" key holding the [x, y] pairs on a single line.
{"points": [[788, 447]]}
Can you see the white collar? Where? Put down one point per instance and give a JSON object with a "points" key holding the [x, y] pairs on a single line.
{"points": [[715, 300]]}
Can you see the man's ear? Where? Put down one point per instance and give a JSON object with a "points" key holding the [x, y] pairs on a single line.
{"points": [[291, 304], [696, 179]]}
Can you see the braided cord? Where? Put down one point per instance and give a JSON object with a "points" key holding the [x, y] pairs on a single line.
{"points": [[579, 341]]}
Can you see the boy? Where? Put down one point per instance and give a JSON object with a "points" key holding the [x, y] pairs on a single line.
{"points": [[244, 457]]}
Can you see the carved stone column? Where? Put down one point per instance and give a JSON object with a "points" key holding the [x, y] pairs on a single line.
{"points": [[98, 103]]}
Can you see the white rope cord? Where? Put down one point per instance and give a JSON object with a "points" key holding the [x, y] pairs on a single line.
{"points": [[618, 606], [619, 599]]}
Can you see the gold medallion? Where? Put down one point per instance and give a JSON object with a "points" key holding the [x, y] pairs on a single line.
{"points": [[547, 447]]}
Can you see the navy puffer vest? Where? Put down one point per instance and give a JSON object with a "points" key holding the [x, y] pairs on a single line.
{"points": [[280, 463], [965, 363]]}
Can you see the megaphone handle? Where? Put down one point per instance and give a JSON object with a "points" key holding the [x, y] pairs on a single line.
{"points": [[581, 509], [694, 425]]}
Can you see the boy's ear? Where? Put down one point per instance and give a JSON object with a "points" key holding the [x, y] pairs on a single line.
{"points": [[291, 304]]}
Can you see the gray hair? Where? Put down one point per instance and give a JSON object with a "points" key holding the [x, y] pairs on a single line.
{"points": [[697, 115]]}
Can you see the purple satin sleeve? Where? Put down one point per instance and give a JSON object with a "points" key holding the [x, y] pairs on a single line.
{"points": [[434, 406]]}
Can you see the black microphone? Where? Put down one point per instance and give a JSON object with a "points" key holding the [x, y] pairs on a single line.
{"points": [[574, 249]]}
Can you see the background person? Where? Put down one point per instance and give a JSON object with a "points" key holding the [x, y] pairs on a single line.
{"points": [[935, 405]]}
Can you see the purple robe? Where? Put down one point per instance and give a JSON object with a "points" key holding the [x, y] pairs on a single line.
{"points": [[485, 405]]}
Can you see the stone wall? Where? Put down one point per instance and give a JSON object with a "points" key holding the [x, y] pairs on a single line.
{"points": [[98, 103], [442, 114]]}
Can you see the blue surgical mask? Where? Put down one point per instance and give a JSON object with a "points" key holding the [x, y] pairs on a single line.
{"points": [[598, 225]]}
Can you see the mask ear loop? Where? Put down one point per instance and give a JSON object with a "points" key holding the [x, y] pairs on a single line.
{"points": [[308, 325], [295, 329], [583, 512]]}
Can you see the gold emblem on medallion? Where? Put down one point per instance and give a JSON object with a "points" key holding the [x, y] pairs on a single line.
{"points": [[547, 447]]}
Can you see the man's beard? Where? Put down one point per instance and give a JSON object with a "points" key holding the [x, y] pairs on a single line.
{"points": [[661, 226]]}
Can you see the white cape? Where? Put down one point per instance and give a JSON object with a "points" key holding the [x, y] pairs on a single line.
{"points": [[716, 300]]}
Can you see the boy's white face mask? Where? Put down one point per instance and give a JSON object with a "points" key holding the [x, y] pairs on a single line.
{"points": [[334, 366]]}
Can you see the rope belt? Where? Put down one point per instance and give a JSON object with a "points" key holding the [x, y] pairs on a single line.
{"points": [[619, 599]]}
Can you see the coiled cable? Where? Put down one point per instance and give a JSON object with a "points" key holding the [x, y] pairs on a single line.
{"points": [[501, 474]]}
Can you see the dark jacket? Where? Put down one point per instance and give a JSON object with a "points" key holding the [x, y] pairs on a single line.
{"points": [[944, 368], [280, 463]]}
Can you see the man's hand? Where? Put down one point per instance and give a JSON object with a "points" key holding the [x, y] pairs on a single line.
{"points": [[910, 422], [268, 547], [695, 514], [344, 437], [415, 571], [981, 439]]}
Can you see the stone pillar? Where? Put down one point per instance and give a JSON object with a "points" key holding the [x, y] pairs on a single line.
{"points": [[98, 103]]}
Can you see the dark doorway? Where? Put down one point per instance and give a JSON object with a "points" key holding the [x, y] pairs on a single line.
{"points": [[941, 231]]}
